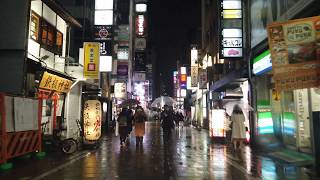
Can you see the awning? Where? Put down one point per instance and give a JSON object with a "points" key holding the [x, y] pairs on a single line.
{"points": [[63, 13], [230, 81]]}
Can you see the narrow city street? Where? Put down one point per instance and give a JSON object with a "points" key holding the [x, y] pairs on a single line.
{"points": [[188, 155]]}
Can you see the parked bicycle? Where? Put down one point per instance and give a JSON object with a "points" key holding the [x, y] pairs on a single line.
{"points": [[56, 140]]}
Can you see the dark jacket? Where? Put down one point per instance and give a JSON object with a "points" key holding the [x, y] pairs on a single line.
{"points": [[167, 120]]}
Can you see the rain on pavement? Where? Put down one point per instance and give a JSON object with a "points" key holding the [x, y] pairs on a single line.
{"points": [[189, 154]]}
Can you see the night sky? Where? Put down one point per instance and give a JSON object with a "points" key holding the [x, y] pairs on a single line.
{"points": [[174, 25]]}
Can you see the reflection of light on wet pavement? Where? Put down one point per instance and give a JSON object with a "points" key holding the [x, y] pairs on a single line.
{"points": [[217, 157], [188, 155], [268, 169], [247, 158]]}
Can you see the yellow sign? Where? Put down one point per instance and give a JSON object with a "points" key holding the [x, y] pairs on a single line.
{"points": [[91, 60], [55, 83], [232, 14], [276, 96], [295, 53], [92, 120]]}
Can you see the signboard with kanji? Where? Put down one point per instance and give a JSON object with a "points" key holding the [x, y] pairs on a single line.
{"points": [[194, 76], [55, 83], [92, 120], [203, 79], [295, 53], [91, 60]]}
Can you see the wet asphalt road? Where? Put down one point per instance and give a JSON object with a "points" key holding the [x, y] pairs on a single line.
{"points": [[189, 154]]}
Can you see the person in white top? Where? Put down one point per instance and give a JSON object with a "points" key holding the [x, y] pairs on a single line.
{"points": [[238, 128]]}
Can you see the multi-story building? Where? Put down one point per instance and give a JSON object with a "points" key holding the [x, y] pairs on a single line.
{"points": [[281, 117]]}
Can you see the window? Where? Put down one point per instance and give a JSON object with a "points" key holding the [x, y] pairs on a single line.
{"points": [[48, 35], [34, 26], [59, 42], [51, 38], [44, 33]]}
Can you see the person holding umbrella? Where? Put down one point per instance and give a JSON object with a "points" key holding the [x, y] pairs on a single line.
{"points": [[167, 122], [238, 135], [123, 123]]}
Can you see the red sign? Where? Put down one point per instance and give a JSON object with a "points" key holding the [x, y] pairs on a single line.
{"points": [[140, 25]]}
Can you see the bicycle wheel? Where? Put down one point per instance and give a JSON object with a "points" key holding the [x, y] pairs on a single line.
{"points": [[69, 146]]}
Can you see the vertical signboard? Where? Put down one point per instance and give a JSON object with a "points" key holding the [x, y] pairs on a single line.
{"points": [[183, 78], [91, 60], [295, 53], [140, 61], [141, 25], [120, 90], [140, 43], [122, 70], [92, 120], [231, 28], [194, 76], [203, 79]]}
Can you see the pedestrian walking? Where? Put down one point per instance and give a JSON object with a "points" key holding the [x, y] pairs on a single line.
{"points": [[167, 123], [238, 128], [140, 118], [176, 119], [181, 118], [129, 122], [123, 129]]}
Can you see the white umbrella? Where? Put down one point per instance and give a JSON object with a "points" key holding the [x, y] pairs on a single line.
{"points": [[244, 106], [163, 100]]}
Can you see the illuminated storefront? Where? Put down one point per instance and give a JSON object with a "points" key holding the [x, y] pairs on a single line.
{"points": [[92, 120], [282, 117]]}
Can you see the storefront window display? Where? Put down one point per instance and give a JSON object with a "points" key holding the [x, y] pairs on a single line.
{"points": [[268, 124], [283, 117]]}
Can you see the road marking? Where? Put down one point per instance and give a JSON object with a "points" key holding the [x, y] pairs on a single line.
{"points": [[62, 166]]}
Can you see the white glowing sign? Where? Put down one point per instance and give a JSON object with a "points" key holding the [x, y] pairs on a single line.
{"points": [[103, 4], [123, 53], [232, 4], [194, 57], [183, 70], [92, 120], [105, 63], [183, 93], [232, 33], [141, 8], [232, 42], [217, 123], [189, 87], [140, 25], [139, 89], [103, 17], [120, 90]]}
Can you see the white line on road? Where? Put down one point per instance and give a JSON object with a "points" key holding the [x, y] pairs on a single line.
{"points": [[47, 173]]}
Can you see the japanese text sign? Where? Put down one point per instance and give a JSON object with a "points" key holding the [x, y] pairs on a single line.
{"points": [[295, 53], [91, 60], [53, 82], [92, 120]]}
